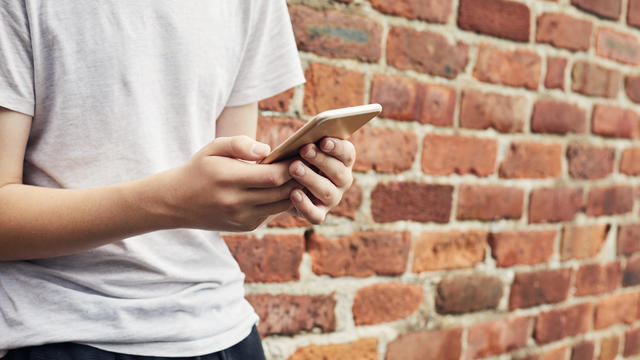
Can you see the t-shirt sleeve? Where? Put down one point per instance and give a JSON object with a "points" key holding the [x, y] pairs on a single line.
{"points": [[16, 60], [270, 62]]}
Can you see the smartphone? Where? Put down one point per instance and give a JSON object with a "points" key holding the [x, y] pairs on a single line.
{"points": [[338, 123]]}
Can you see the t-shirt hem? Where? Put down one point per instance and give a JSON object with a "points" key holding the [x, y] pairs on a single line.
{"points": [[263, 92], [16, 104]]}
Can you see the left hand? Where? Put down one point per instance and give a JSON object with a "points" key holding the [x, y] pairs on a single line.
{"points": [[333, 160]]}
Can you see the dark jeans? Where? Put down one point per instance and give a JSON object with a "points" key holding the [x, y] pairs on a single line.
{"points": [[250, 349]]}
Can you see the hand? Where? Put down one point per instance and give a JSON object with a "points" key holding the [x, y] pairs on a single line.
{"points": [[217, 190], [324, 187]]}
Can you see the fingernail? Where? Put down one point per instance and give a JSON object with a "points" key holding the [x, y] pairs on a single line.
{"points": [[311, 153], [296, 196], [328, 145], [260, 149], [299, 170]]}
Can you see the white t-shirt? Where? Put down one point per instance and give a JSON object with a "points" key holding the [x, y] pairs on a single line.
{"points": [[120, 90]]}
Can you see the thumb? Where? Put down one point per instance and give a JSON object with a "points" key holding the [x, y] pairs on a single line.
{"points": [[237, 147]]}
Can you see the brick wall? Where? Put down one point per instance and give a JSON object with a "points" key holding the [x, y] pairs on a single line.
{"points": [[495, 208]]}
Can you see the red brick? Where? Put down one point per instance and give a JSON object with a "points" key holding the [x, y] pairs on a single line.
{"points": [[380, 303], [554, 204], [448, 250], [592, 279], [559, 323], [594, 80], [274, 130], [462, 294], [558, 117], [582, 241], [501, 18], [539, 287], [414, 201], [614, 121], [518, 68], [630, 162], [350, 203], [532, 160], [609, 348], [628, 239], [530, 356], [404, 99], [498, 337], [610, 200], [489, 202], [360, 254], [334, 34], [616, 309], [286, 220], [609, 9], [330, 87], [522, 247], [449, 154], [555, 354], [632, 87], [384, 150], [426, 52], [633, 13], [583, 351], [632, 342], [555, 73], [364, 349], [278, 102], [564, 31], [590, 162], [272, 258], [285, 314], [426, 345], [618, 46], [480, 110], [632, 272], [436, 11]]}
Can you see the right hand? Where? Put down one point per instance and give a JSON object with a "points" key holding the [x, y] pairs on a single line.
{"points": [[221, 188]]}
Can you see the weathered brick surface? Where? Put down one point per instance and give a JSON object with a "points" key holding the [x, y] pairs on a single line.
{"points": [[448, 250], [518, 68], [329, 87], [272, 258], [583, 351], [384, 150], [522, 247], [554, 204], [564, 31], [489, 202], [365, 349], [590, 162], [449, 154], [501, 18], [497, 337], [539, 287], [404, 99], [411, 201], [630, 162], [350, 203], [594, 80], [558, 117], [443, 344], [436, 11], [616, 309], [285, 314], [582, 241], [335, 34], [610, 200], [633, 13], [632, 87], [462, 294], [556, 67], [380, 303], [628, 239], [286, 220], [426, 52], [609, 348], [532, 160], [278, 102], [632, 273], [274, 130], [562, 322], [555, 354], [614, 121], [609, 9], [592, 279], [632, 342], [618, 46], [360, 254], [480, 110]]}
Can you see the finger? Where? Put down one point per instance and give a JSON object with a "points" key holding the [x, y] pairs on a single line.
{"points": [[270, 195], [306, 208], [331, 167], [319, 186], [250, 176], [275, 208], [237, 147], [342, 150]]}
